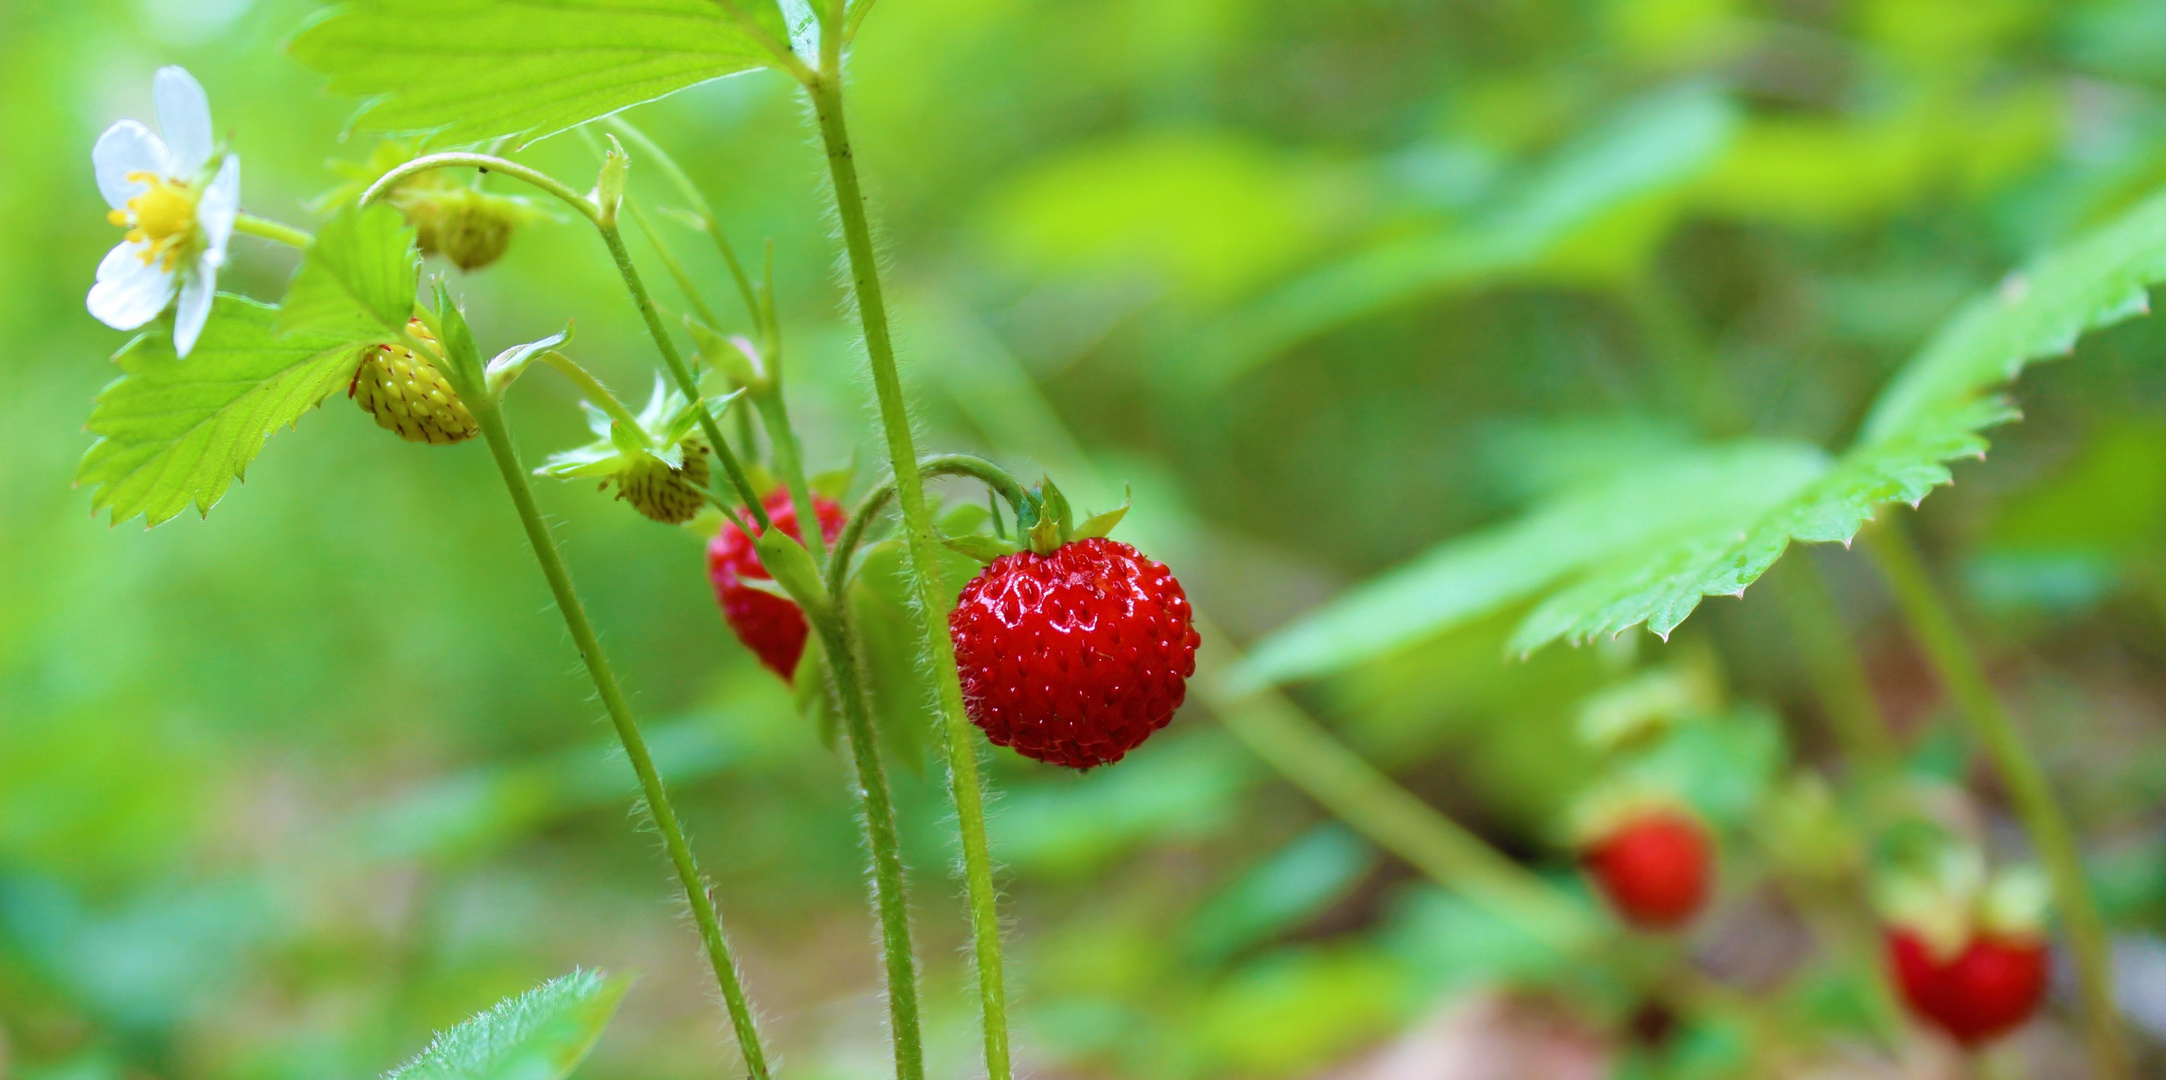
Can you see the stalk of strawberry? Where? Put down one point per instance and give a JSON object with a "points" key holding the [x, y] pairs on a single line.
{"points": [[1074, 649], [772, 626]]}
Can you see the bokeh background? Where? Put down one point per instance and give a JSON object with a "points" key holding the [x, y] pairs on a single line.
{"points": [[1326, 283]]}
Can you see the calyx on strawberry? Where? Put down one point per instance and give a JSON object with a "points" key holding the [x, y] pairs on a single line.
{"points": [[770, 625], [1075, 648], [1969, 957], [1653, 860], [655, 458]]}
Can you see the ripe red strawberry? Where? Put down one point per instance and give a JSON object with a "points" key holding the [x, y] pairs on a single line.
{"points": [[771, 626], [1074, 657], [1655, 867], [1985, 989]]}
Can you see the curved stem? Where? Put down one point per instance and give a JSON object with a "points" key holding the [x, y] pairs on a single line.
{"points": [[933, 599], [1934, 624], [513, 169], [490, 417], [889, 898], [585, 380], [271, 230], [999, 480], [789, 461]]}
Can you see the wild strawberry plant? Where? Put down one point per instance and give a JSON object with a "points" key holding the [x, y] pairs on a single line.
{"points": [[1071, 647]]}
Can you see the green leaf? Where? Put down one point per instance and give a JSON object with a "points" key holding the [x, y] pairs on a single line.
{"points": [[1466, 578], [357, 279], [542, 1034], [1932, 414], [1647, 546], [461, 71], [172, 431]]}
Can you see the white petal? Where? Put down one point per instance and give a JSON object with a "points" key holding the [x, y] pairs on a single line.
{"points": [[184, 116], [129, 291], [195, 306], [126, 147], [216, 210]]}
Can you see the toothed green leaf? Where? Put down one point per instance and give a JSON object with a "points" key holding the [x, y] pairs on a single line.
{"points": [[542, 1034], [173, 431], [357, 279], [460, 71], [1647, 545]]}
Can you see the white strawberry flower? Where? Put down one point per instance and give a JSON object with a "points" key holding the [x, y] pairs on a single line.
{"points": [[178, 211]]}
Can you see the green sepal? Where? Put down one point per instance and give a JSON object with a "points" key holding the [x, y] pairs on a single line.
{"points": [[808, 690], [792, 567], [609, 186], [983, 548], [1051, 529], [835, 483], [512, 362], [1102, 524], [732, 356], [462, 358]]}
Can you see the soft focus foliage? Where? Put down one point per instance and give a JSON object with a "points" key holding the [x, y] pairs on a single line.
{"points": [[1397, 315]]}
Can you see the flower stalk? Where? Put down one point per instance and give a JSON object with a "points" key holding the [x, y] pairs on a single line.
{"points": [[490, 416], [923, 548]]}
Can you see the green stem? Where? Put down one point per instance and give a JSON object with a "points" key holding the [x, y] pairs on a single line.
{"points": [[668, 257], [271, 230], [789, 461], [998, 480], [1854, 714], [490, 418], [679, 370], [923, 548], [1934, 624], [385, 183], [585, 381], [1379, 808], [889, 898], [682, 181]]}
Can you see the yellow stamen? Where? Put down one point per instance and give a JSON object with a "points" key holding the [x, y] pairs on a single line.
{"points": [[163, 216]]}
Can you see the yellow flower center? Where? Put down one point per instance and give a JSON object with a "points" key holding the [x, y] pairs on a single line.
{"points": [[163, 218]]}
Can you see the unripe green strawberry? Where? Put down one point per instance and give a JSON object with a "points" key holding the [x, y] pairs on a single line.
{"points": [[670, 496], [405, 392], [471, 228]]}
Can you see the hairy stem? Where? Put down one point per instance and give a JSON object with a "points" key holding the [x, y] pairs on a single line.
{"points": [[490, 417], [923, 548], [1934, 624], [890, 901], [679, 370]]}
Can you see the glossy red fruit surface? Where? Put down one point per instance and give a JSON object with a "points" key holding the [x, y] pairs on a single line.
{"points": [[1987, 989], [1074, 658], [771, 626], [1655, 868]]}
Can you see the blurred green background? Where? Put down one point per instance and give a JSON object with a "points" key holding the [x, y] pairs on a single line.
{"points": [[1327, 283]]}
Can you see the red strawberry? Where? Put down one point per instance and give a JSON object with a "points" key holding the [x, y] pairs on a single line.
{"points": [[1655, 868], [1074, 657], [771, 626], [1986, 989]]}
